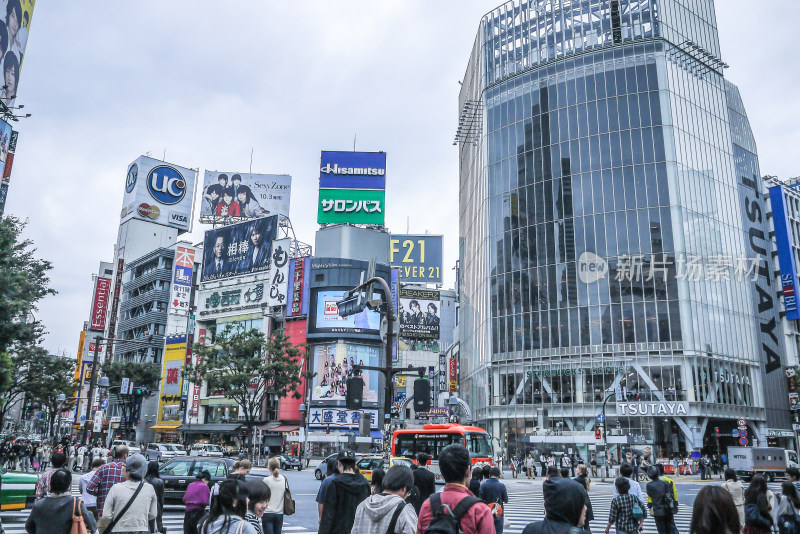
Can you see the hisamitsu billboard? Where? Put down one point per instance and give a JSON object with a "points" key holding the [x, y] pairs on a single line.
{"points": [[353, 206], [352, 170], [418, 257]]}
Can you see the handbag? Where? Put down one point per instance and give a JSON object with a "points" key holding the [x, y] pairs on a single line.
{"points": [[754, 518], [78, 525], [114, 521], [637, 512], [288, 501]]}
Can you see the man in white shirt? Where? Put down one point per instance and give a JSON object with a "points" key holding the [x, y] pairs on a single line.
{"points": [[626, 470]]}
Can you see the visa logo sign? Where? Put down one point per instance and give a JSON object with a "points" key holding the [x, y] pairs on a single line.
{"points": [[178, 218]]}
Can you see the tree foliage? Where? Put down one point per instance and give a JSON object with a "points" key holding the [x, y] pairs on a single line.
{"points": [[24, 281], [249, 368], [141, 374]]}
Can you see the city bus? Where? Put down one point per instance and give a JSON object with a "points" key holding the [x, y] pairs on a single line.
{"points": [[431, 439]]}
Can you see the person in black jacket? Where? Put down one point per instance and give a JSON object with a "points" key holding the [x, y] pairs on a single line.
{"points": [[153, 479], [494, 492], [424, 480], [475, 481], [343, 496], [565, 511], [659, 497]]}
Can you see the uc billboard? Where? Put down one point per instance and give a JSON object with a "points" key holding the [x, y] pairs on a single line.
{"points": [[352, 188], [159, 192]]}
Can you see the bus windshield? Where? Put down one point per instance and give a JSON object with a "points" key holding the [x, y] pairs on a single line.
{"points": [[479, 445], [410, 444]]}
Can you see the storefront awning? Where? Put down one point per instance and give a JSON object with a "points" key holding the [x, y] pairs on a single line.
{"points": [[165, 428], [375, 434], [209, 428], [282, 428]]}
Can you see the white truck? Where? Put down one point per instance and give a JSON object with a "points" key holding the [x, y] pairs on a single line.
{"points": [[771, 462]]}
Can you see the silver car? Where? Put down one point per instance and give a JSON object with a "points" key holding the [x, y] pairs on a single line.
{"points": [[162, 452]]}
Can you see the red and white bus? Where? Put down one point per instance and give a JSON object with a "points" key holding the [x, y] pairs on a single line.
{"points": [[431, 439]]}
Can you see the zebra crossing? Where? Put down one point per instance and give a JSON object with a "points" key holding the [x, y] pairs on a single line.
{"points": [[14, 522], [526, 504]]}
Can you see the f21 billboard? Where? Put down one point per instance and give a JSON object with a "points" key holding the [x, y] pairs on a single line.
{"points": [[159, 192], [239, 249], [418, 257]]}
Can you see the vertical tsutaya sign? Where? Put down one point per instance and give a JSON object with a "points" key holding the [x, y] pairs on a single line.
{"points": [[102, 289], [783, 240], [182, 279], [419, 257], [279, 273], [352, 188]]}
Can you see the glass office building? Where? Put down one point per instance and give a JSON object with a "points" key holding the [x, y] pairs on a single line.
{"points": [[599, 199]]}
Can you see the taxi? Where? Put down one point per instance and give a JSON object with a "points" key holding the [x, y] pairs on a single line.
{"points": [[17, 490], [369, 463]]}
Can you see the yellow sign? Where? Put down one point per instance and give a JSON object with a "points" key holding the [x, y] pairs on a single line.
{"points": [[400, 381], [169, 401]]}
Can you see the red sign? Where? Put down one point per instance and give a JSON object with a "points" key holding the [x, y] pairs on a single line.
{"points": [[100, 307], [92, 346], [331, 308], [185, 257], [453, 375], [297, 286], [112, 321], [9, 163], [173, 375]]}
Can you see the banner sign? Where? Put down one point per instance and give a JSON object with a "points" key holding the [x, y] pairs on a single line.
{"points": [[353, 206], [239, 249], [182, 279], [171, 380], [112, 320], [786, 258], [419, 313], [17, 18], [352, 170], [327, 317], [299, 287], [453, 366], [246, 195], [102, 292], [320, 417], [279, 273], [417, 256], [333, 364], [653, 409], [232, 300], [159, 192]]}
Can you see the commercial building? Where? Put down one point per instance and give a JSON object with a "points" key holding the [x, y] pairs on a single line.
{"points": [[608, 180]]}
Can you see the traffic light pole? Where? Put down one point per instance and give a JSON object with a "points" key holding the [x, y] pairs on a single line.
{"points": [[605, 435], [92, 385]]}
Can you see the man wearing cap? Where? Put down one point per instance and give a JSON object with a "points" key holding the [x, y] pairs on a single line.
{"points": [[564, 507], [343, 496], [107, 475], [143, 510]]}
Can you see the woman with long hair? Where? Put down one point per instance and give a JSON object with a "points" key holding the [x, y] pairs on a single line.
{"points": [[734, 486], [225, 514], [248, 204], [788, 508], [714, 512], [154, 480], [757, 509]]}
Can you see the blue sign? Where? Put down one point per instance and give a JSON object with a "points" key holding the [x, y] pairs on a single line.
{"points": [[785, 255], [735, 433], [742, 433], [165, 184], [418, 256], [743, 442], [133, 174], [601, 418], [352, 170]]}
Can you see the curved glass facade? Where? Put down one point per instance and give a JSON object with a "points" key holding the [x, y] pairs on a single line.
{"points": [[601, 175]]}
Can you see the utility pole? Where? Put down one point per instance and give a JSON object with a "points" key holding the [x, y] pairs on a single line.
{"points": [[605, 434], [92, 385]]}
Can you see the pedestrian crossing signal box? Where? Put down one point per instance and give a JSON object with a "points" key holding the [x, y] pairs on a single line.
{"points": [[598, 434]]}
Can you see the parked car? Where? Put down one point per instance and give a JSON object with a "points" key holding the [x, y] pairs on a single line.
{"points": [[322, 468], [133, 448], [178, 473], [17, 490], [161, 452], [289, 462], [369, 463], [206, 449]]}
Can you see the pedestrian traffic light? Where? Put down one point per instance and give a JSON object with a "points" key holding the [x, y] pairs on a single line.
{"points": [[141, 391], [355, 393], [598, 434], [422, 395], [716, 431]]}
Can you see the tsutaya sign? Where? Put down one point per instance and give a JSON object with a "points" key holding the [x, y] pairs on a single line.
{"points": [[648, 409]]}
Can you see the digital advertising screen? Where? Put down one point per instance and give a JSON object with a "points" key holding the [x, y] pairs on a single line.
{"points": [[326, 317]]}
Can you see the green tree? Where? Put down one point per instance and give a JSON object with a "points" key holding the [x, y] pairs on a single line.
{"points": [[24, 281], [250, 369], [143, 375], [27, 365], [54, 376]]}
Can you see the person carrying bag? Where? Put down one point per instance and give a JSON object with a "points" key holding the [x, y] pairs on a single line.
{"points": [[131, 505]]}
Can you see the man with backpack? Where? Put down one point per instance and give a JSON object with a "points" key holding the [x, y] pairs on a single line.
{"points": [[494, 494], [387, 512], [343, 496], [661, 501], [469, 513]]}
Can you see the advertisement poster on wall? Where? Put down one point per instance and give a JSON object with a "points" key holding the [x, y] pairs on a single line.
{"points": [[239, 249], [159, 192], [419, 313], [246, 195], [182, 279], [102, 294], [333, 363], [418, 257], [327, 315], [17, 18], [170, 399]]}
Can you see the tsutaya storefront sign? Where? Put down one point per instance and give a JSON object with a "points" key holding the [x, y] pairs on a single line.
{"points": [[648, 409]]}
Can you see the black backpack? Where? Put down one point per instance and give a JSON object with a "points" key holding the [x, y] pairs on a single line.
{"points": [[445, 520]]}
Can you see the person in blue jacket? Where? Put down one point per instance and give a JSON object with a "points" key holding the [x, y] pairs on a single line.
{"points": [[493, 492]]}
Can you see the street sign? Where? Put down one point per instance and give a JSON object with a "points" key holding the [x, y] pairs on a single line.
{"points": [[123, 388], [743, 442], [600, 418], [735, 433], [741, 422], [742, 433]]}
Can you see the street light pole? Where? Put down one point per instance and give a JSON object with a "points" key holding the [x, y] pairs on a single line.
{"points": [[92, 384], [605, 434]]}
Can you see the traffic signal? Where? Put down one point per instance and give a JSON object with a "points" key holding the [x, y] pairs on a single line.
{"points": [[355, 393], [716, 431], [598, 434], [141, 391], [422, 395]]}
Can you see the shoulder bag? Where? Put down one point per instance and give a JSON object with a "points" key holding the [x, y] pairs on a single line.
{"points": [[78, 526], [114, 521], [288, 501], [395, 516]]}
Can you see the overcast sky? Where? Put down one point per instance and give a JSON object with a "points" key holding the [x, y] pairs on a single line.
{"points": [[207, 81]]}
